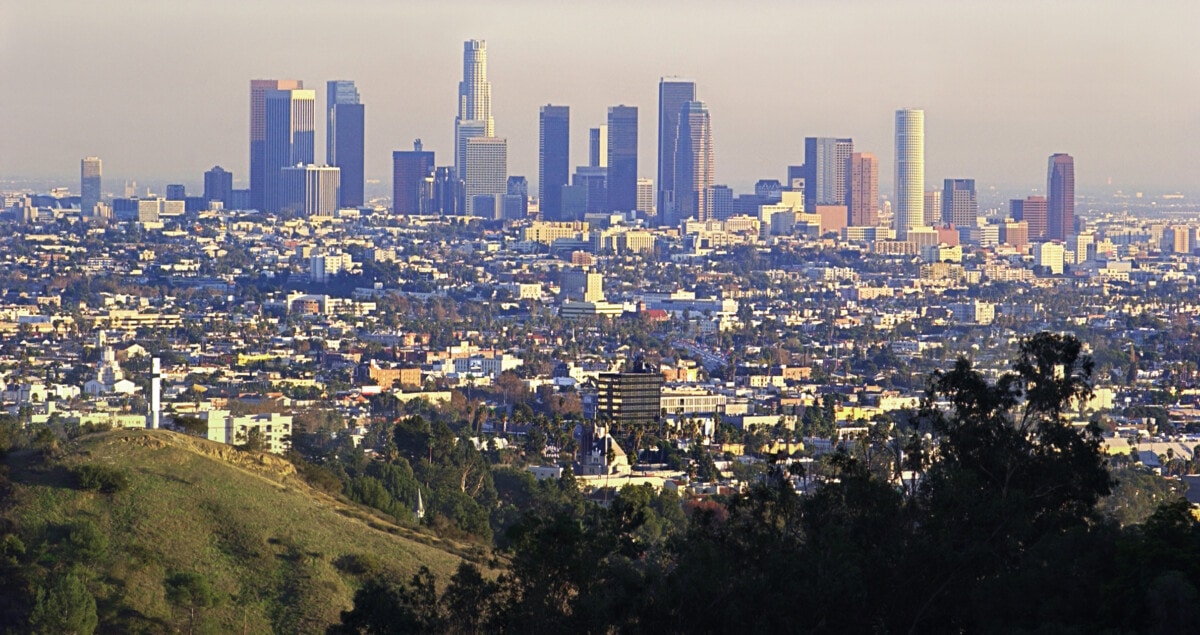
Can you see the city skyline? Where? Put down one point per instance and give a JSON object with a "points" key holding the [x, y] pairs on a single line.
{"points": [[988, 128]]}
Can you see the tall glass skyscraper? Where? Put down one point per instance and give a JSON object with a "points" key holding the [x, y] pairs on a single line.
{"points": [[344, 136], [259, 174], [487, 172], [1032, 210], [862, 190], [673, 93], [474, 118], [622, 158], [554, 158], [1060, 190], [290, 137], [693, 164], [910, 171], [218, 186], [959, 205], [825, 161], [411, 170], [89, 185], [598, 147]]}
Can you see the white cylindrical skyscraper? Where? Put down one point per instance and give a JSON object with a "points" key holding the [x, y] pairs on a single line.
{"points": [[910, 171]]}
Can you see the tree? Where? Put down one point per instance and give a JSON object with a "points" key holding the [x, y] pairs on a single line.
{"points": [[382, 607], [253, 440], [65, 607], [190, 591]]}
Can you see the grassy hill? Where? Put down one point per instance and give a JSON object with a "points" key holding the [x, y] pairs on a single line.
{"points": [[280, 556]]}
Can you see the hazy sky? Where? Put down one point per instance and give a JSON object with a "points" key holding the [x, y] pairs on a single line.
{"points": [[160, 90]]}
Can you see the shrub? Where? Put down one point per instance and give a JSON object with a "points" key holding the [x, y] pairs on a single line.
{"points": [[101, 478], [86, 542]]}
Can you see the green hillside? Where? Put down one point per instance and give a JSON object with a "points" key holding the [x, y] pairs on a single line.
{"points": [[278, 555]]}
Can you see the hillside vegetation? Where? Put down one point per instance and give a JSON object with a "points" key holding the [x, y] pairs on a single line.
{"points": [[174, 533]]}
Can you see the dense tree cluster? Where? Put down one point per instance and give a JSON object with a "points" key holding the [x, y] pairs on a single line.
{"points": [[999, 531]]}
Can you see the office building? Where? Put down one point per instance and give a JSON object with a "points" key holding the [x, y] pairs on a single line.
{"points": [[622, 158], [310, 190], [693, 164], [447, 192], [153, 210], [909, 207], [646, 196], [554, 158], [933, 208], [259, 173], [218, 186], [344, 135], [722, 202], [1032, 210], [1060, 190], [176, 192], [631, 397], [959, 206], [89, 185], [410, 171], [673, 93], [824, 170], [516, 198], [598, 147], [1015, 234], [487, 170], [474, 118], [290, 137], [862, 190], [1050, 257]]}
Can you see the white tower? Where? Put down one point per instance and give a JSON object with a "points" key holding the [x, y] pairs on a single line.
{"points": [[474, 118], [910, 171], [155, 394]]}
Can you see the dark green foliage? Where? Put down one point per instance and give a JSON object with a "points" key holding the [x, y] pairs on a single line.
{"points": [[1002, 533], [64, 607], [191, 424], [86, 543], [189, 590], [101, 478], [382, 607]]}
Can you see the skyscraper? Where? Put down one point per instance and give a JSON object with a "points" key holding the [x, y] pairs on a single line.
{"points": [[447, 192], [290, 137], [862, 190], [622, 158], [910, 171], [598, 147], [487, 170], [410, 169], [646, 196], [259, 174], [693, 164], [1032, 210], [309, 190], [673, 93], [516, 198], [474, 117], [344, 135], [554, 158], [933, 208], [825, 170], [1060, 190], [959, 205], [89, 185], [218, 186]]}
